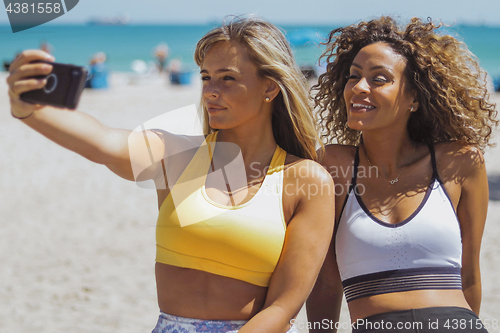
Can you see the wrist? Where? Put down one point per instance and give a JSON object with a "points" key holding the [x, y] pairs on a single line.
{"points": [[21, 116]]}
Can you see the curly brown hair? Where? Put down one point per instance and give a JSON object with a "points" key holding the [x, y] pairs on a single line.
{"points": [[450, 85]]}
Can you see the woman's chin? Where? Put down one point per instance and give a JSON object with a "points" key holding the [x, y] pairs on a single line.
{"points": [[356, 125], [215, 124]]}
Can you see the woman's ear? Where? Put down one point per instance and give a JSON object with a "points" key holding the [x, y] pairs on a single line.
{"points": [[272, 90], [414, 104]]}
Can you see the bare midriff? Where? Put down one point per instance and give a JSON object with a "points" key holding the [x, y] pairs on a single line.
{"points": [[196, 294], [368, 306]]}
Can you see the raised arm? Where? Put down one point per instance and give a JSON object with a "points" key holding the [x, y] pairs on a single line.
{"points": [[307, 238], [74, 130]]}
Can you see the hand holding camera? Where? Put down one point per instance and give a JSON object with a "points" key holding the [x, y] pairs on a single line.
{"points": [[35, 80]]}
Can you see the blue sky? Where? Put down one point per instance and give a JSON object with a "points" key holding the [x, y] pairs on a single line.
{"points": [[282, 11]]}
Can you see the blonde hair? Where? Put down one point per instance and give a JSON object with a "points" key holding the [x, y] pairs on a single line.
{"points": [[293, 124], [450, 86]]}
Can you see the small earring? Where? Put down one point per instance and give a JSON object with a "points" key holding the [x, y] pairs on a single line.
{"points": [[267, 99], [411, 109]]}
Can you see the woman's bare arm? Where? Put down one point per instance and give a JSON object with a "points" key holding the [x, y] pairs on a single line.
{"points": [[74, 130], [471, 210], [308, 236]]}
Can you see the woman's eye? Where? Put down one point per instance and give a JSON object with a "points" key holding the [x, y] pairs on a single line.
{"points": [[205, 78], [228, 78], [380, 79], [353, 77]]}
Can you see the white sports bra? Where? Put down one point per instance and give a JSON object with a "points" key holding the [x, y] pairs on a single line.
{"points": [[422, 252]]}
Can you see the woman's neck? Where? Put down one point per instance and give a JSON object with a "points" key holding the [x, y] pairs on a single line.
{"points": [[388, 151], [256, 147], [253, 143]]}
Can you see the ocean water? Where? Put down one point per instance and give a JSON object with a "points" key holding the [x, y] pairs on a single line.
{"points": [[124, 44]]}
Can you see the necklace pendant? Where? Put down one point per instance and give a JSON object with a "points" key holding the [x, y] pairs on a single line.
{"points": [[394, 181]]}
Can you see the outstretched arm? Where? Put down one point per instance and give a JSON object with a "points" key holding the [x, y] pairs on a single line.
{"points": [[307, 238], [73, 130]]}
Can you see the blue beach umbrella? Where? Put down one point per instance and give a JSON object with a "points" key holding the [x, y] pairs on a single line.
{"points": [[303, 37]]}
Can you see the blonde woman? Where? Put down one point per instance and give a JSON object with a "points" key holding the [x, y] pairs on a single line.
{"points": [[409, 110], [232, 255]]}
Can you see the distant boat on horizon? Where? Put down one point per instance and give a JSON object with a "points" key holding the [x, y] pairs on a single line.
{"points": [[116, 20]]}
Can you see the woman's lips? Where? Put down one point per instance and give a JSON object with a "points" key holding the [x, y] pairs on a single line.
{"points": [[214, 108], [361, 107]]}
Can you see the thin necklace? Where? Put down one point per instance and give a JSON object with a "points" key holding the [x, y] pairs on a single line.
{"points": [[395, 180]]}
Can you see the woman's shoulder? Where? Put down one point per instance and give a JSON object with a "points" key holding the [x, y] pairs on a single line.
{"points": [[306, 181], [306, 170], [458, 158], [457, 149], [338, 155]]}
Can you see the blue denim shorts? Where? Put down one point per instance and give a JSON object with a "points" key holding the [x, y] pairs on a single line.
{"points": [[447, 319], [173, 324]]}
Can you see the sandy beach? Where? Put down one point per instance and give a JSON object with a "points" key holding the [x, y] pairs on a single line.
{"points": [[77, 243]]}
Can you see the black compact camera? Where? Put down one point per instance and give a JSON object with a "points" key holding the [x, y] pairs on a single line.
{"points": [[63, 88]]}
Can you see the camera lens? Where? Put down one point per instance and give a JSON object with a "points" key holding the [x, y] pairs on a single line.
{"points": [[51, 84]]}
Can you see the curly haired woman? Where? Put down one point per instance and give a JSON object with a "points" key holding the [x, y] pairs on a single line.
{"points": [[408, 111]]}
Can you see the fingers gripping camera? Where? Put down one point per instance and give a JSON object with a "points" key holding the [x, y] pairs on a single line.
{"points": [[63, 88]]}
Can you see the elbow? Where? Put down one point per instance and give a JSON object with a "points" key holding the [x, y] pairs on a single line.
{"points": [[109, 151], [328, 285], [97, 155], [472, 280], [469, 283]]}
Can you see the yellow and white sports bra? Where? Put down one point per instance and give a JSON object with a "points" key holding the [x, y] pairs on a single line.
{"points": [[243, 242]]}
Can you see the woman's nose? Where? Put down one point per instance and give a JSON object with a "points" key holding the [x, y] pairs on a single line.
{"points": [[361, 86], [210, 90]]}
